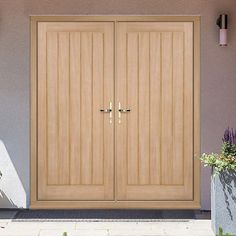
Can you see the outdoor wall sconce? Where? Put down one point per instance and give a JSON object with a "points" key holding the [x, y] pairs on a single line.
{"points": [[222, 22]]}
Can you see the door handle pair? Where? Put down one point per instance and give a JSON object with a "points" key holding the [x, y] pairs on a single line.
{"points": [[120, 111]]}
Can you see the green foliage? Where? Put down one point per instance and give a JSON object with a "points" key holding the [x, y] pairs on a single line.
{"points": [[222, 234], [220, 231], [226, 159], [219, 162], [64, 234], [228, 149]]}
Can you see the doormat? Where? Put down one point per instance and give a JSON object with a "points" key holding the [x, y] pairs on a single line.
{"points": [[103, 215]]}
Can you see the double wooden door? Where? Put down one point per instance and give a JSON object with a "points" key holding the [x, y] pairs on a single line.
{"points": [[115, 112]]}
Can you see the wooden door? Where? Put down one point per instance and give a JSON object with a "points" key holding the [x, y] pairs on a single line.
{"points": [[75, 139], [154, 141]]}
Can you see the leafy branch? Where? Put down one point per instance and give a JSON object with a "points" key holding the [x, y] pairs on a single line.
{"points": [[226, 159]]}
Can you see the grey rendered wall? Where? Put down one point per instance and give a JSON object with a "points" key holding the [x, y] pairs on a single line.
{"points": [[218, 77]]}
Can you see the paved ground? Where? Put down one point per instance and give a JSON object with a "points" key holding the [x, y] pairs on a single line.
{"points": [[10, 225]]}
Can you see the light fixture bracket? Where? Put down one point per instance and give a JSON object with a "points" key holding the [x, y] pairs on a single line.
{"points": [[222, 22]]}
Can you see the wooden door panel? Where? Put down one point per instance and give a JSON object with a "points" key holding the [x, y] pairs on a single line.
{"points": [[144, 109], [132, 73], [86, 108], [178, 108], [154, 142], [155, 108], [166, 112], [63, 108], [52, 111], [75, 107], [75, 81], [98, 147]]}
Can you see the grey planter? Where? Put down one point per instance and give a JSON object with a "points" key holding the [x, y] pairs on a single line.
{"points": [[223, 202]]}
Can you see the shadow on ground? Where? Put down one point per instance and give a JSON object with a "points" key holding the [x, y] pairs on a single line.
{"points": [[99, 215]]}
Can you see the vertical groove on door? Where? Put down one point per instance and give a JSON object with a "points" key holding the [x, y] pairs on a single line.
{"points": [[86, 104], [160, 115], [92, 113], [69, 109], [149, 107], [103, 104], [80, 105], [144, 107], [52, 105], [63, 102], [138, 99], [75, 108], [167, 112]]}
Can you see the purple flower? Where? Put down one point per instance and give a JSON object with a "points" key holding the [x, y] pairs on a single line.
{"points": [[229, 136]]}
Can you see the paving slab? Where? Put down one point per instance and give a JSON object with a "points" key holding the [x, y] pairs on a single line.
{"points": [[115, 225], [11, 226], [17, 232], [74, 233]]}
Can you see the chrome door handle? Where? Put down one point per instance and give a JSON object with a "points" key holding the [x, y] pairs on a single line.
{"points": [[108, 111], [120, 110], [124, 110]]}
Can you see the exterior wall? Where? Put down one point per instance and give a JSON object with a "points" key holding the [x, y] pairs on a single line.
{"points": [[218, 77]]}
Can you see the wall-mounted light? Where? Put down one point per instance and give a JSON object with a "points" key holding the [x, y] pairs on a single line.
{"points": [[222, 22]]}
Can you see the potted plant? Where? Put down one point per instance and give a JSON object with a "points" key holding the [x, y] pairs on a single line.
{"points": [[223, 184]]}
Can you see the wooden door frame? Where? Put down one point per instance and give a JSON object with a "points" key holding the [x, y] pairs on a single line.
{"points": [[34, 202]]}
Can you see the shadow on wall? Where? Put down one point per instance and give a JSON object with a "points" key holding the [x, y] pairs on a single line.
{"points": [[12, 193], [228, 181], [5, 201]]}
